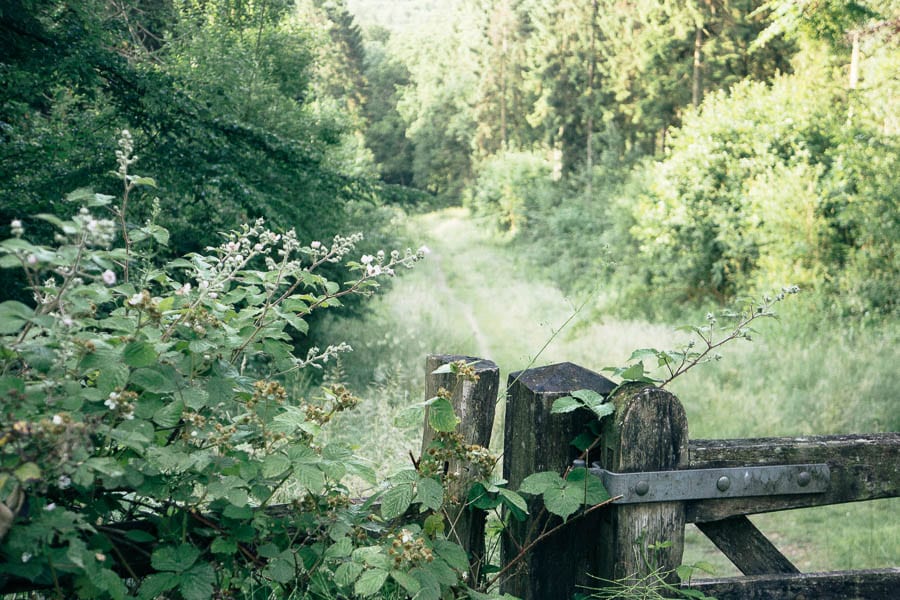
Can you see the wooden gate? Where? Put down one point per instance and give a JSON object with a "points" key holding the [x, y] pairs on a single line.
{"points": [[673, 481]]}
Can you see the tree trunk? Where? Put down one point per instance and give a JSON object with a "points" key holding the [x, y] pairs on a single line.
{"points": [[696, 79]]}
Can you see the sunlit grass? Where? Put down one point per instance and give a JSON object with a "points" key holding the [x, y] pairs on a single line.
{"points": [[801, 375]]}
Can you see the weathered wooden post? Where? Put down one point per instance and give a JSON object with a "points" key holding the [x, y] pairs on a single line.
{"points": [[536, 441], [474, 404], [648, 432]]}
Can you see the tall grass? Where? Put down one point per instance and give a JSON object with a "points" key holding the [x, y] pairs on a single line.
{"points": [[802, 374]]}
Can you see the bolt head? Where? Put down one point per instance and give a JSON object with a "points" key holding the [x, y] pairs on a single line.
{"points": [[641, 488], [723, 483], [804, 478]]}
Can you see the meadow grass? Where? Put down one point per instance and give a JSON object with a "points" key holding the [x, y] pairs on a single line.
{"points": [[801, 375]]}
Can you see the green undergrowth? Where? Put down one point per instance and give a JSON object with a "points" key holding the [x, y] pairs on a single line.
{"points": [[802, 374]]}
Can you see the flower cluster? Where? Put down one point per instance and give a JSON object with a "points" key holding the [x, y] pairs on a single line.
{"points": [[447, 447], [124, 155], [408, 550], [122, 403], [380, 264], [94, 231]]}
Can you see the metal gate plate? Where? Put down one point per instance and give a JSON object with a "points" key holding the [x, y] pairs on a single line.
{"points": [[699, 484]]}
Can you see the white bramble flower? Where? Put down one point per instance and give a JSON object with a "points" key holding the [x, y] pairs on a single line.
{"points": [[112, 402], [315, 245], [51, 506], [15, 227], [366, 259], [424, 250], [406, 536], [57, 420], [26, 556], [63, 482], [32, 259], [109, 278], [136, 300]]}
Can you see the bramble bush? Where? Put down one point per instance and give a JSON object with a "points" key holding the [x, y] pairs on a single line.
{"points": [[149, 446]]}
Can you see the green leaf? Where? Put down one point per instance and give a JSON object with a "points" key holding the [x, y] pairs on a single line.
{"points": [[565, 404], [563, 501], [603, 409], [154, 585], [340, 549], [347, 573], [407, 582], [13, 316], [634, 372], [222, 545], [282, 568], [197, 583], [591, 487], [643, 353], [139, 354], [429, 493], [275, 465], [310, 477], [396, 500], [584, 440], [513, 500], [172, 558], [194, 398], [441, 416], [141, 537], [107, 580], [434, 525], [372, 556], [140, 180], [113, 376], [27, 472], [453, 554], [169, 415], [480, 498], [539, 483], [370, 582], [152, 380]]}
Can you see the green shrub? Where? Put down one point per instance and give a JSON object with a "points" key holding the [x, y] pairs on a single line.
{"points": [[764, 186], [509, 187], [150, 446]]}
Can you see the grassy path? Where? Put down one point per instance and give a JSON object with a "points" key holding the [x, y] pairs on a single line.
{"points": [[471, 297]]}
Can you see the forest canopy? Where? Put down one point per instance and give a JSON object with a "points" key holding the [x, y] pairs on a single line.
{"points": [[714, 147]]}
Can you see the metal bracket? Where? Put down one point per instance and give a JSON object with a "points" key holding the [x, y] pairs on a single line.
{"points": [[699, 484]]}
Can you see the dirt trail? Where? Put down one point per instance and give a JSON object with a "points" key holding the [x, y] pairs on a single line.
{"points": [[439, 278]]}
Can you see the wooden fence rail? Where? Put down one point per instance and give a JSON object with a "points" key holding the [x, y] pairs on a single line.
{"points": [[648, 436]]}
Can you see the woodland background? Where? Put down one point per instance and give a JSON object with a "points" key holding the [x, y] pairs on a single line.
{"points": [[663, 158]]}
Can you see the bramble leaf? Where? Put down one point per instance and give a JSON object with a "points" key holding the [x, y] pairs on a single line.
{"points": [[370, 582], [441, 416], [396, 500]]}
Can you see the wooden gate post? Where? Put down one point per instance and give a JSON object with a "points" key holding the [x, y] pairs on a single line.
{"points": [[474, 404], [536, 441], [648, 432]]}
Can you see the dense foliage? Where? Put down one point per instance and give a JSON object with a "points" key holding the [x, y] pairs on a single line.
{"points": [[715, 148], [218, 96]]}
